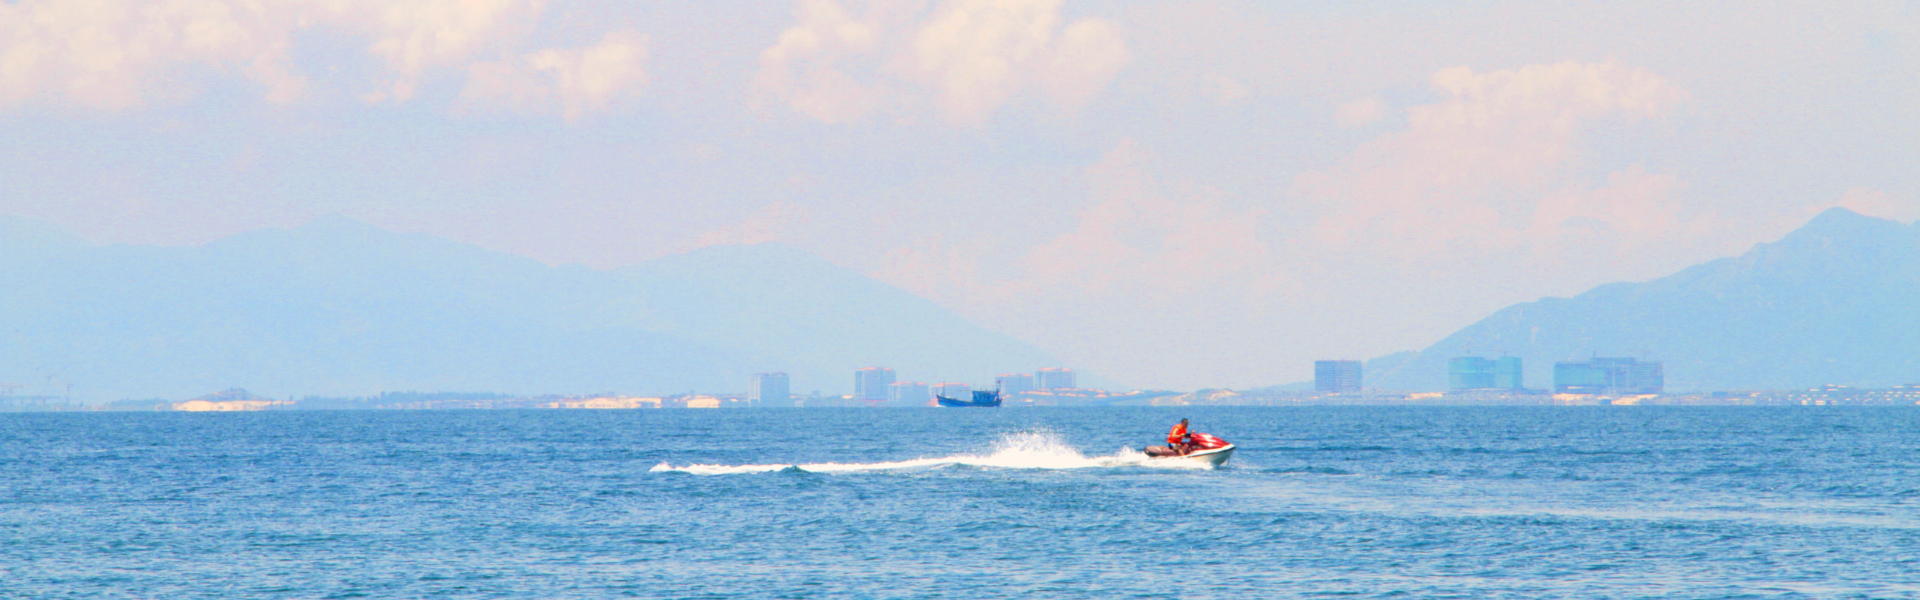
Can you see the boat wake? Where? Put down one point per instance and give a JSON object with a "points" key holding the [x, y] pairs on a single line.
{"points": [[1027, 450]]}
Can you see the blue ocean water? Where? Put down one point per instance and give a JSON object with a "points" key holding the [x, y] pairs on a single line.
{"points": [[1496, 502]]}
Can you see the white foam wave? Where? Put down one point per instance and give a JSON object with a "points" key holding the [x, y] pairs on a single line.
{"points": [[1026, 450]]}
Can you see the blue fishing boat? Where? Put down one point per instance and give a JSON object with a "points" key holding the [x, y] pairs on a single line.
{"points": [[980, 400]]}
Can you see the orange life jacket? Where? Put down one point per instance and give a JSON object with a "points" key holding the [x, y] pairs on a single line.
{"points": [[1178, 435]]}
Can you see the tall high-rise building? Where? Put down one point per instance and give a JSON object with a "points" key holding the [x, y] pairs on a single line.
{"points": [[957, 391], [1506, 373], [871, 383], [1014, 383], [1336, 376], [908, 393], [769, 389], [1469, 373], [1475, 373], [1054, 378], [1609, 376]]}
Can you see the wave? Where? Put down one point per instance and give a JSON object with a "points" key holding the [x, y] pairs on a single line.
{"points": [[1311, 470], [1024, 450]]}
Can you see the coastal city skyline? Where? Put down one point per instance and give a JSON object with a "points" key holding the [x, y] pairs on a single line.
{"points": [[1472, 380]]}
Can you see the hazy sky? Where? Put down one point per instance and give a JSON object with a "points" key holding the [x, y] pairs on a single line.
{"points": [[1174, 195]]}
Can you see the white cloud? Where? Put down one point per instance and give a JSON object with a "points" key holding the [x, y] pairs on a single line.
{"points": [[571, 82], [1474, 167], [122, 54], [807, 68], [974, 52], [415, 35], [1086, 56], [1365, 111], [969, 58], [104, 54]]}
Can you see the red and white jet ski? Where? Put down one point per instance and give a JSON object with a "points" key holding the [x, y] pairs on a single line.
{"points": [[1206, 449]]}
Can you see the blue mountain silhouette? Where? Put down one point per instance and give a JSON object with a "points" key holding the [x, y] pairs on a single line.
{"points": [[1836, 301], [340, 307]]}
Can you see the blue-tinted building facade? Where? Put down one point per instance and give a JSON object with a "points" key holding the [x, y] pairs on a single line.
{"points": [[870, 384], [769, 389], [1475, 373], [1336, 376], [1611, 376]]}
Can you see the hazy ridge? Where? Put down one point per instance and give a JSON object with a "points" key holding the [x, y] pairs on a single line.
{"points": [[1836, 301], [339, 307]]}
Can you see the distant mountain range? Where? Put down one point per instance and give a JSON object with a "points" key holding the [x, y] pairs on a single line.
{"points": [[1834, 302], [340, 307]]}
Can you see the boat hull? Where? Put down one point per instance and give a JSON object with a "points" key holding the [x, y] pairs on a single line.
{"points": [[951, 403], [980, 400], [1211, 458]]}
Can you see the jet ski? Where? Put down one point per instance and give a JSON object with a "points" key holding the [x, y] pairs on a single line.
{"points": [[1206, 449]]}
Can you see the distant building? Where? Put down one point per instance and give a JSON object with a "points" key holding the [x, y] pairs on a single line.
{"points": [[1475, 373], [871, 383], [908, 393], [1015, 383], [1469, 373], [769, 389], [1054, 378], [1336, 376], [1506, 373], [1611, 376], [958, 391]]}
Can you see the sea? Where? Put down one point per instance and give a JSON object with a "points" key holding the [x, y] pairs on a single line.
{"points": [[1317, 502]]}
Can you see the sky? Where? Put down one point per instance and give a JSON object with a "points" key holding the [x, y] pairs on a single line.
{"points": [[1170, 194]]}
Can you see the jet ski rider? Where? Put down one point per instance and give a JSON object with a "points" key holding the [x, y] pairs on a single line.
{"points": [[1178, 439]]}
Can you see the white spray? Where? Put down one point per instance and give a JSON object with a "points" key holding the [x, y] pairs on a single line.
{"points": [[1024, 450]]}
